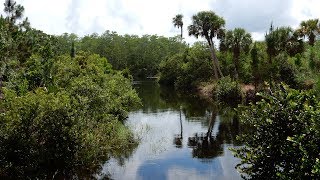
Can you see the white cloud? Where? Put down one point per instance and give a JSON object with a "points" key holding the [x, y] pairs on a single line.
{"points": [[155, 16]]}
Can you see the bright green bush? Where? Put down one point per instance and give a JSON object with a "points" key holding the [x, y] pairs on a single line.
{"points": [[228, 91], [284, 139]]}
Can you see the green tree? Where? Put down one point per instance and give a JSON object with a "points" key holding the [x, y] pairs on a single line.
{"points": [[284, 139], [14, 11], [309, 28], [255, 64], [236, 41], [177, 22], [140, 55], [73, 50], [78, 121], [282, 39], [208, 25]]}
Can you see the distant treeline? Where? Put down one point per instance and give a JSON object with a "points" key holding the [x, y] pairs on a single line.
{"points": [[140, 55]]}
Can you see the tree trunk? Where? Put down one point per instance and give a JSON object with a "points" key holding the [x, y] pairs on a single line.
{"points": [[181, 128], [216, 76], [270, 59], [215, 60], [216, 67], [213, 52], [181, 32], [236, 55]]}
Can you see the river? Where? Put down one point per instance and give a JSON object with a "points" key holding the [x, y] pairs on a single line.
{"points": [[180, 137]]}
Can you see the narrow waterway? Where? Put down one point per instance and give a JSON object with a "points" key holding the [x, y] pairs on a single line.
{"points": [[181, 137]]}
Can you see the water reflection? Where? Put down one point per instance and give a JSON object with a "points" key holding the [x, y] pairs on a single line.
{"points": [[207, 145], [156, 99], [179, 137], [182, 137]]}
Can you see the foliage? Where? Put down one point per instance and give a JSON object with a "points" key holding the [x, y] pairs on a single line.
{"points": [[76, 121], [186, 70], [283, 40], [284, 124], [177, 22], [171, 69], [208, 25], [228, 91], [59, 115], [236, 41], [141, 55], [309, 28]]}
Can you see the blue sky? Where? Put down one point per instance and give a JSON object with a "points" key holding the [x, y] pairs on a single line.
{"points": [[155, 17]]}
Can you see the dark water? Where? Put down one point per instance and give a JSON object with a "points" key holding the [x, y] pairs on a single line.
{"points": [[180, 138]]}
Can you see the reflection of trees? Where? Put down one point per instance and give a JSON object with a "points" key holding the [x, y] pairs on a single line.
{"points": [[19, 160], [209, 145], [179, 137], [156, 98], [149, 92], [205, 145]]}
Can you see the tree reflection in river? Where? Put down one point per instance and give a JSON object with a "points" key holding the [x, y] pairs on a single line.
{"points": [[207, 145], [179, 137], [221, 130]]}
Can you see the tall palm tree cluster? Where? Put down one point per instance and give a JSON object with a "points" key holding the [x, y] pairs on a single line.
{"points": [[284, 39]]}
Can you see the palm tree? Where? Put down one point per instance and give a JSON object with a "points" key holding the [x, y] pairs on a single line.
{"points": [[236, 41], [278, 41], [309, 28], [177, 22], [208, 25]]}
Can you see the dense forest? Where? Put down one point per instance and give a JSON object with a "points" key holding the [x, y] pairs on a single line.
{"points": [[64, 98]]}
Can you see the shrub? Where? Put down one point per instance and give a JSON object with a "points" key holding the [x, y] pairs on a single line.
{"points": [[170, 69], [75, 126], [186, 70], [228, 91], [284, 139]]}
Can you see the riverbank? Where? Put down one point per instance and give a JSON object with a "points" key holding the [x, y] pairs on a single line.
{"points": [[206, 90]]}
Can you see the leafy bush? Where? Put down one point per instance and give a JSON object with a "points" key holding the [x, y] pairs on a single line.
{"points": [[170, 69], [72, 125], [186, 70], [228, 91], [284, 138]]}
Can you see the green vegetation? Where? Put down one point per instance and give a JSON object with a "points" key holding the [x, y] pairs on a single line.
{"points": [[284, 121], [60, 115], [284, 139], [186, 70], [177, 22], [236, 41], [228, 91], [63, 99], [140, 55], [208, 25], [282, 57]]}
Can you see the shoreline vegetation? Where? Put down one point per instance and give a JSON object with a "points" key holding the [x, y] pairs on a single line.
{"points": [[64, 98]]}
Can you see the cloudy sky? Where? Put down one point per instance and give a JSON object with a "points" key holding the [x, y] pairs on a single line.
{"points": [[155, 16]]}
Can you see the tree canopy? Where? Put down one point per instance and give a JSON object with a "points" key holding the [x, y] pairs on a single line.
{"points": [[208, 25]]}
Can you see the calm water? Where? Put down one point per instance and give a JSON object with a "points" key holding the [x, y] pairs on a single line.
{"points": [[180, 138]]}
